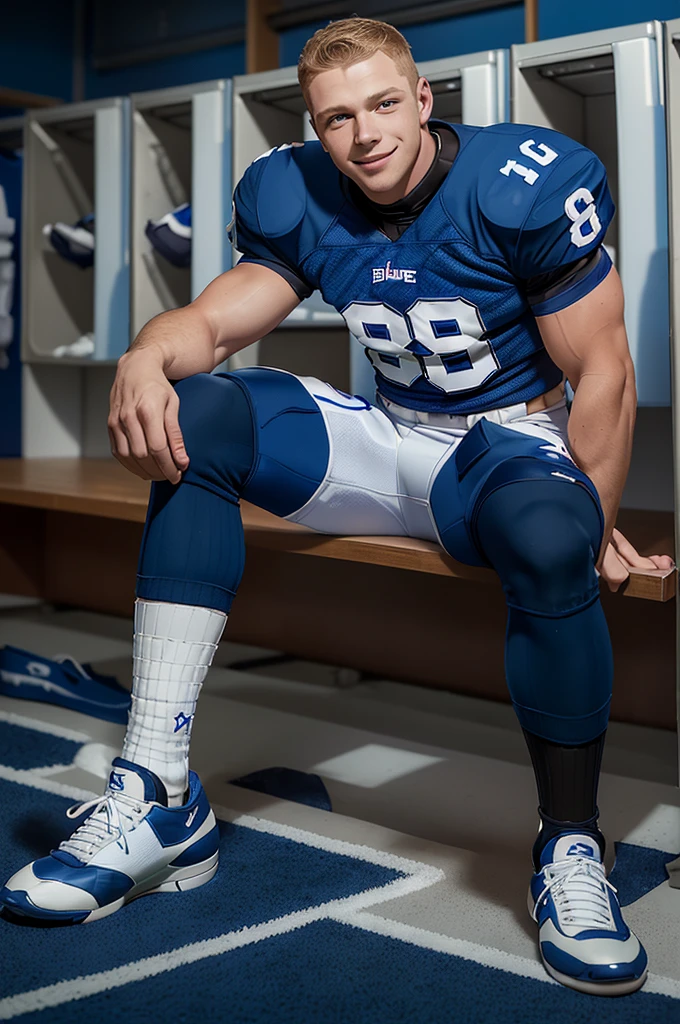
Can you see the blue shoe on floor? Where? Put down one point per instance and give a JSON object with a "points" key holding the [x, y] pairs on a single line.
{"points": [[583, 939], [171, 235], [62, 680], [130, 845], [75, 242]]}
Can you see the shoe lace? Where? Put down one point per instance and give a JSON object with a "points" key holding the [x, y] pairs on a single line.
{"points": [[111, 819], [62, 658], [578, 886]]}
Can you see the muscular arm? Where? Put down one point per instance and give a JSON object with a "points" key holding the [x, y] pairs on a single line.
{"points": [[234, 311], [588, 342]]}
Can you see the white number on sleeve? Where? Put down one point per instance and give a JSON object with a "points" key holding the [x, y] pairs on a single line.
{"points": [[586, 215], [528, 173], [541, 153], [538, 152]]}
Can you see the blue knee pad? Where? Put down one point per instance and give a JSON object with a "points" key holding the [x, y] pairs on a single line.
{"points": [[542, 535], [255, 434]]}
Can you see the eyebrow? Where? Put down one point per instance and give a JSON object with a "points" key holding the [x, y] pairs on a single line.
{"points": [[370, 101]]}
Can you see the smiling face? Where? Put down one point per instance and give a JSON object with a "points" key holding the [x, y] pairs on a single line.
{"points": [[374, 126]]}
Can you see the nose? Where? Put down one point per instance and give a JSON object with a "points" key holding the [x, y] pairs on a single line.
{"points": [[366, 131]]}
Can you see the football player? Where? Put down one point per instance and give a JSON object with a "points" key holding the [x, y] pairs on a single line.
{"points": [[470, 264]]}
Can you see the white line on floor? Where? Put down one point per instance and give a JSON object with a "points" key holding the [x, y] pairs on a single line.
{"points": [[487, 956], [365, 853], [27, 777], [138, 970], [48, 727]]}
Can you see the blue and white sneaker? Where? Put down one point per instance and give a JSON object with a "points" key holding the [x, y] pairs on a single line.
{"points": [[75, 242], [583, 939], [131, 844], [64, 681], [171, 235]]}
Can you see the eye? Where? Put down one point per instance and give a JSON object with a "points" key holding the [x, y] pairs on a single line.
{"points": [[336, 119], [386, 104]]}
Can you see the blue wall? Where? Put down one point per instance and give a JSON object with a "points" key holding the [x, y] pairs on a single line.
{"points": [[36, 47], [560, 18], [489, 30], [197, 16], [447, 37], [222, 62]]}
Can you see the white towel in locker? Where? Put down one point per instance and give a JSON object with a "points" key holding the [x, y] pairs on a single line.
{"points": [[7, 274], [7, 223], [6, 335]]}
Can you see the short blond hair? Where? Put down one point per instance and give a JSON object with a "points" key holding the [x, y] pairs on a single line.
{"points": [[346, 42]]}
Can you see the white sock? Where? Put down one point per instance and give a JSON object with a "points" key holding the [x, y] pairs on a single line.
{"points": [[173, 648]]}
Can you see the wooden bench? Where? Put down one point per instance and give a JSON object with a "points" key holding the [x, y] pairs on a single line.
{"points": [[70, 532]]}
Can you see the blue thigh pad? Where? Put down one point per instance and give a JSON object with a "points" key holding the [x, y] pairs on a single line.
{"points": [[291, 443]]}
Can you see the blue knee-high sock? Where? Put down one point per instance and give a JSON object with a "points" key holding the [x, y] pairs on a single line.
{"points": [[193, 549], [542, 538]]}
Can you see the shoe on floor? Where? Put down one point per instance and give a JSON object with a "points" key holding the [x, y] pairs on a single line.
{"points": [[170, 235], [75, 242], [130, 845], [64, 681], [583, 939]]}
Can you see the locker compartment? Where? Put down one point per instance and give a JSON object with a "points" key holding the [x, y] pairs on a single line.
{"points": [[605, 90], [76, 164], [181, 154]]}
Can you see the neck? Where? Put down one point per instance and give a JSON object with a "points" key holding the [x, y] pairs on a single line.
{"points": [[426, 154]]}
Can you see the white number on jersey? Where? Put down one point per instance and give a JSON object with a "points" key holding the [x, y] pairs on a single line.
{"points": [[440, 340], [587, 215]]}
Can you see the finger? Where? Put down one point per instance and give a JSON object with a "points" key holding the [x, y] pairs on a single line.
{"points": [[662, 561], [613, 570], [174, 434], [139, 449], [157, 445], [628, 553], [131, 466]]}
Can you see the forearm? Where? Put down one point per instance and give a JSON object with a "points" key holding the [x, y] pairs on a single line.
{"points": [[181, 339], [601, 432]]}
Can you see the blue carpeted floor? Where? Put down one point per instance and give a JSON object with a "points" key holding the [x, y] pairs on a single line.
{"points": [[319, 971]]}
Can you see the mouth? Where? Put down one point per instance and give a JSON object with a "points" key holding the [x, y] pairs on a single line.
{"points": [[376, 161]]}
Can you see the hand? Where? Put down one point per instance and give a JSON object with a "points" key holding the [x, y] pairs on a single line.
{"points": [[621, 557], [143, 422]]}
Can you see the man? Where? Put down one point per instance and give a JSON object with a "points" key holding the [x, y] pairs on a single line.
{"points": [[469, 263]]}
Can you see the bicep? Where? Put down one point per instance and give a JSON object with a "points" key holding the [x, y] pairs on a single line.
{"points": [[590, 335], [244, 304]]}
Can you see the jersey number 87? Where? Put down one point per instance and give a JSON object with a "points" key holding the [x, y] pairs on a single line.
{"points": [[440, 340]]}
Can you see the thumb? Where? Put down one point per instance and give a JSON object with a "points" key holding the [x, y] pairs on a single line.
{"points": [[174, 435]]}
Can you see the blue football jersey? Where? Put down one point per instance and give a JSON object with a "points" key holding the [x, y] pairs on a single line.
{"points": [[443, 310]]}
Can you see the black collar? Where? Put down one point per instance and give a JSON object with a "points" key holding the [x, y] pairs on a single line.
{"points": [[394, 218]]}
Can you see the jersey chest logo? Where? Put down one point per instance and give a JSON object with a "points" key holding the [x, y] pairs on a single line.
{"points": [[389, 273]]}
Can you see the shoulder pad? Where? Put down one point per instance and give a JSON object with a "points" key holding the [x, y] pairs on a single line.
{"points": [[280, 193], [532, 188], [518, 161]]}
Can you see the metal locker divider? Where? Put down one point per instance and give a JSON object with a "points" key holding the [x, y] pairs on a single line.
{"points": [[181, 153], [605, 89], [77, 162], [269, 111]]}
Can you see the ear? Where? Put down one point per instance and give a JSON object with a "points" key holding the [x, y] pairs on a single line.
{"points": [[425, 101]]}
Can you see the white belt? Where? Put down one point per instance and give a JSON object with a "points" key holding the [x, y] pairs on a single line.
{"points": [[451, 421]]}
